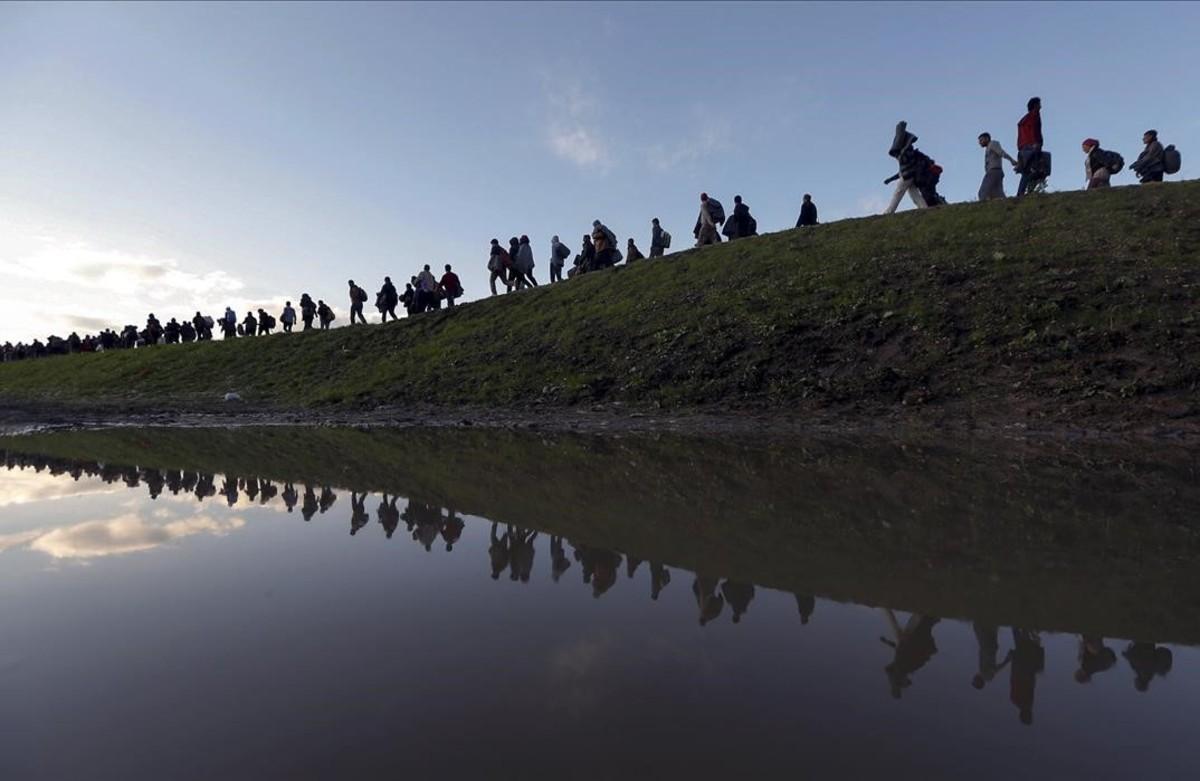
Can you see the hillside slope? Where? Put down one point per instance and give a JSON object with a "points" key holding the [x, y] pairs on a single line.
{"points": [[1065, 304]]}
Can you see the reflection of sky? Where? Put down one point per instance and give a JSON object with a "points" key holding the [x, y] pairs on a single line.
{"points": [[22, 486], [305, 647]]}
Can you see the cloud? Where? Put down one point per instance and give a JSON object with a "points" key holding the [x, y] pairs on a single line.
{"points": [[124, 534], [573, 125], [21, 486], [705, 132]]}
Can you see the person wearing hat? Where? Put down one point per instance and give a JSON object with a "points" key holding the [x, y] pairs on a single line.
{"points": [[1094, 164], [1151, 163]]}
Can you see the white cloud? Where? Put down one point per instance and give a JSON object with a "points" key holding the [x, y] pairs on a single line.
{"points": [[572, 125], [124, 534], [22, 486]]}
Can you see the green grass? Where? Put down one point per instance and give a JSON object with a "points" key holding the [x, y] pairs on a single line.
{"points": [[1070, 301]]}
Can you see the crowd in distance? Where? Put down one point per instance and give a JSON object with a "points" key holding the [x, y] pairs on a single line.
{"points": [[513, 266], [512, 550]]}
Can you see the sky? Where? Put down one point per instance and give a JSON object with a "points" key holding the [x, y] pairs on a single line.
{"points": [[177, 157]]}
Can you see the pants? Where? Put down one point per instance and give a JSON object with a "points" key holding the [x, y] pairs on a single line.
{"points": [[324, 325], [1158, 177], [656, 252], [390, 309], [1026, 155], [492, 280], [555, 273], [992, 185], [287, 327], [708, 235], [906, 186], [356, 311], [308, 322]]}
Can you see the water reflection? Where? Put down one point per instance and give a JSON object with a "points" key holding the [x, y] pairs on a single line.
{"points": [[512, 554]]}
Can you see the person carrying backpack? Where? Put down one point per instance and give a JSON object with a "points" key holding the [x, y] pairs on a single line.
{"points": [[559, 253], [1151, 163], [266, 323], [808, 213], [1029, 146], [308, 310], [1099, 165], [388, 298], [711, 215], [523, 263], [451, 286], [741, 225], [287, 317], [324, 315], [605, 242], [358, 297], [250, 325], [909, 160], [660, 240], [498, 262], [229, 323], [632, 253]]}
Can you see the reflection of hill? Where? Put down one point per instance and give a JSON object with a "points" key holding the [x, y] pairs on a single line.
{"points": [[1085, 540]]}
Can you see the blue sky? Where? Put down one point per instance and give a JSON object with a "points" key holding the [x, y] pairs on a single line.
{"points": [[173, 157]]}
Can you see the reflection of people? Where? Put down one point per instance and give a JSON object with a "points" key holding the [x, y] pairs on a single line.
{"points": [[452, 529], [707, 599], [987, 636], [805, 605], [914, 647], [230, 491], [738, 595], [309, 508], [498, 552], [1028, 659], [599, 567], [358, 512], [559, 563], [522, 552], [1094, 657], [289, 496], [1147, 660], [631, 563], [389, 515], [328, 497], [660, 576]]}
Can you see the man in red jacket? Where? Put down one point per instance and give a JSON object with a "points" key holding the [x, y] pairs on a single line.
{"points": [[451, 287], [1029, 142]]}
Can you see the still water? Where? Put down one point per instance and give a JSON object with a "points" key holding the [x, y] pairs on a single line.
{"points": [[465, 604]]}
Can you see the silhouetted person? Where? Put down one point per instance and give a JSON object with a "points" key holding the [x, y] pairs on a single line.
{"points": [[250, 325], [631, 566], [389, 515], [309, 508], [289, 496], [805, 605], [1147, 660], [250, 487], [358, 297], [498, 552], [388, 298], [660, 576], [707, 599], [452, 530], [324, 314], [739, 596], [522, 552], [1028, 660], [230, 491], [358, 512], [328, 497], [1094, 657], [288, 317], [987, 637], [913, 645], [268, 491], [559, 563], [658, 242], [808, 213], [308, 311]]}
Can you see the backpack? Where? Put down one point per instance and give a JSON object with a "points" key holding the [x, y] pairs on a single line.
{"points": [[1113, 162], [1040, 166], [360, 295], [1172, 161], [563, 252], [752, 227], [716, 211], [270, 321], [666, 239], [208, 321]]}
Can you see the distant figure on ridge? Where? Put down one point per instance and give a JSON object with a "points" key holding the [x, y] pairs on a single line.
{"points": [[229, 323], [741, 224], [1099, 165], [660, 240], [288, 317], [324, 314], [451, 286], [308, 310], [1029, 145], [906, 180], [808, 213], [524, 262], [994, 156], [605, 242], [559, 253], [250, 325], [498, 262], [1151, 163], [266, 323], [711, 215], [632, 253], [388, 298], [358, 297]]}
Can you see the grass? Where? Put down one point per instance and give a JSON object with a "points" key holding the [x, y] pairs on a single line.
{"points": [[1072, 301]]}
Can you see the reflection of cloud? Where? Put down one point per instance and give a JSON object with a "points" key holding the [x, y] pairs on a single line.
{"points": [[125, 534], [23, 487]]}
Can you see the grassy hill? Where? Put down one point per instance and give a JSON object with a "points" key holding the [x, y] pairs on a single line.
{"points": [[1071, 304]]}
